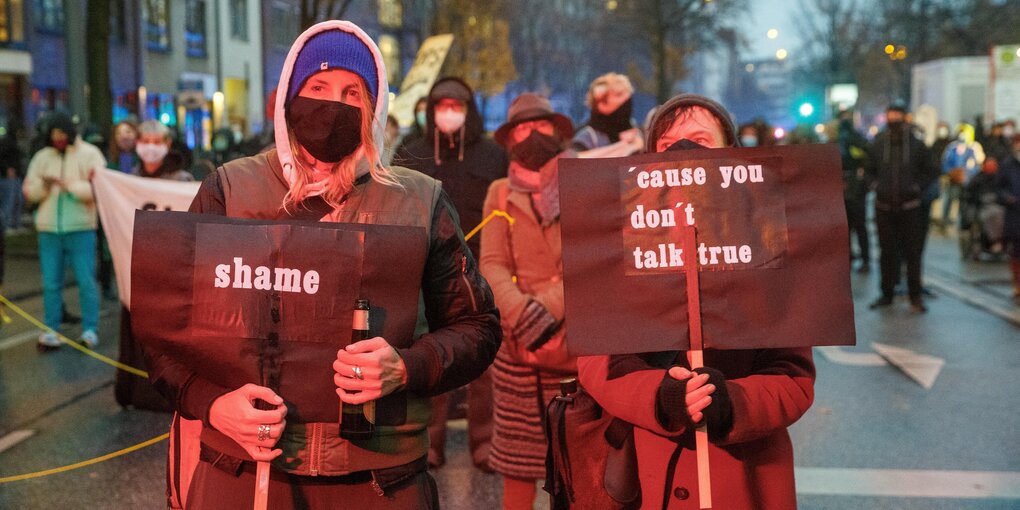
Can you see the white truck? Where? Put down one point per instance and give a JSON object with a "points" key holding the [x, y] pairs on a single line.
{"points": [[958, 89]]}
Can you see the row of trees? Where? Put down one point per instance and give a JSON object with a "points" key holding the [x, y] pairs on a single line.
{"points": [[554, 46], [558, 46]]}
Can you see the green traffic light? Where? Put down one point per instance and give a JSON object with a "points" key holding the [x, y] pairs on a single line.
{"points": [[806, 109]]}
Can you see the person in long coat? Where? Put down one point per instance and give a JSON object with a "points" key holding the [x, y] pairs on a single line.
{"points": [[523, 265], [747, 398]]}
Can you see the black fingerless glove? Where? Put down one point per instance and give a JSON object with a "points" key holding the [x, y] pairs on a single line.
{"points": [[671, 404], [718, 414], [535, 327]]}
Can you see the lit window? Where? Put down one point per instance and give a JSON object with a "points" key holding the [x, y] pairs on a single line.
{"points": [[118, 21], [194, 28], [157, 25], [239, 19], [390, 50], [49, 15], [391, 13], [12, 19], [285, 25]]}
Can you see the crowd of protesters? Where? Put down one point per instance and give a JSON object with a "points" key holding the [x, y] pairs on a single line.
{"points": [[749, 401]]}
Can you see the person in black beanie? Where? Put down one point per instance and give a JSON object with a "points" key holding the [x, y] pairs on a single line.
{"points": [[900, 168], [610, 127]]}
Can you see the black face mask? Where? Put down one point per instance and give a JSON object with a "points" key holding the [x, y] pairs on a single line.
{"points": [[895, 131], [535, 150], [616, 122], [684, 144], [329, 130]]}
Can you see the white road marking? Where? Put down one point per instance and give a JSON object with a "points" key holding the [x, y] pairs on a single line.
{"points": [[7, 442], [837, 355], [920, 367], [18, 339], [908, 483], [978, 299]]}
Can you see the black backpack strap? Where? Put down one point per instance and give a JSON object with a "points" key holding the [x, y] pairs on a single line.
{"points": [[670, 472], [617, 432], [557, 462]]}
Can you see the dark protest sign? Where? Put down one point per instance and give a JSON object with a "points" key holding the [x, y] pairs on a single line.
{"points": [[208, 291], [771, 247]]}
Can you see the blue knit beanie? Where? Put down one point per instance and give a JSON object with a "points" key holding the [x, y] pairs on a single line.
{"points": [[334, 49]]}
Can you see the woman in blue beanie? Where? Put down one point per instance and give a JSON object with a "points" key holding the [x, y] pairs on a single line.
{"points": [[331, 107]]}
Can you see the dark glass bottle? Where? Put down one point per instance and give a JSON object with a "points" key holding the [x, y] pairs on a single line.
{"points": [[356, 420]]}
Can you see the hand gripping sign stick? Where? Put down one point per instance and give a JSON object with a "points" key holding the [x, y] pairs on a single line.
{"points": [[697, 359]]}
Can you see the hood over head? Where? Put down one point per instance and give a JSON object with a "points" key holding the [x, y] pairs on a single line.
{"points": [[454, 88], [471, 131], [333, 44], [666, 113]]}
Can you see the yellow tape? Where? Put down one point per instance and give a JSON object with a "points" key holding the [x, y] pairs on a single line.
{"points": [[487, 219], [125, 451], [141, 373], [72, 343]]}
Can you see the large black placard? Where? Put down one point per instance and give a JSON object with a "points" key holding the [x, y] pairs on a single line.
{"points": [[772, 249], [205, 289]]}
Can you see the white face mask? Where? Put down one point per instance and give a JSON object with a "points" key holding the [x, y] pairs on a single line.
{"points": [[1008, 132], [449, 120], [151, 152]]}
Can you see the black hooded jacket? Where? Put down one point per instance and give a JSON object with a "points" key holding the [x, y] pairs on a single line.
{"points": [[466, 162], [900, 170]]}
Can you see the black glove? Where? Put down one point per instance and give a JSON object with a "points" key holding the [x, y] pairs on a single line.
{"points": [[718, 414], [671, 406], [535, 327]]}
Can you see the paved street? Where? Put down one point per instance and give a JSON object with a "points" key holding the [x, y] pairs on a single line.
{"points": [[875, 438]]}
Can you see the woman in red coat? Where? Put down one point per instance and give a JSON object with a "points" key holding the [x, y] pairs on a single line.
{"points": [[748, 398]]}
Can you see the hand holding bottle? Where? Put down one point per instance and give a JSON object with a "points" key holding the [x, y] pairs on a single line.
{"points": [[381, 368]]}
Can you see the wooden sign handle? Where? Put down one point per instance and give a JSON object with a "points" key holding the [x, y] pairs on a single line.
{"points": [[261, 485], [697, 357]]}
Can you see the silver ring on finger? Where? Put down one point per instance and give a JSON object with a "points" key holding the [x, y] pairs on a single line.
{"points": [[264, 432], [357, 373]]}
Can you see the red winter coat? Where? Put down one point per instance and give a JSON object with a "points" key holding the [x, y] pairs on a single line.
{"points": [[752, 465]]}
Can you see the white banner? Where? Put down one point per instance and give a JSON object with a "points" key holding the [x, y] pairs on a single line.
{"points": [[118, 195], [420, 77]]}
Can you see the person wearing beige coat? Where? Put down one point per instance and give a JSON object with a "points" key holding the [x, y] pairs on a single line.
{"points": [[523, 266]]}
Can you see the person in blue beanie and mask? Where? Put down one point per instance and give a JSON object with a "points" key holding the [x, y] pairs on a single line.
{"points": [[331, 109]]}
